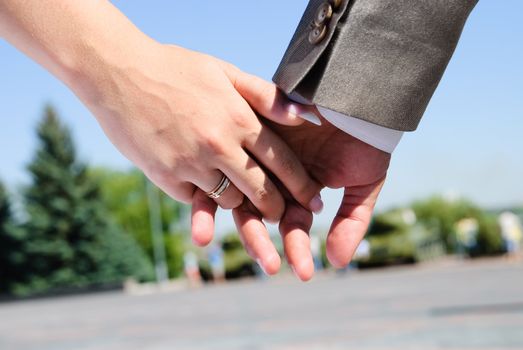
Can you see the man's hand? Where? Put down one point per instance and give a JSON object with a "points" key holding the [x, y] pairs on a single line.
{"points": [[336, 160]]}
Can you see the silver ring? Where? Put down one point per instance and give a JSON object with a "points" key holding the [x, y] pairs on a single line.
{"points": [[220, 188]]}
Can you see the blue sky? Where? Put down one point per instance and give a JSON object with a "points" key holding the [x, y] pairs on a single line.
{"points": [[470, 141]]}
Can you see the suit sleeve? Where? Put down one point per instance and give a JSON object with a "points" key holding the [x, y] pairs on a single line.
{"points": [[375, 60]]}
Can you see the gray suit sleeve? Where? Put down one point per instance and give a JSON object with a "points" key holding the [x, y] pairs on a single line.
{"points": [[380, 60]]}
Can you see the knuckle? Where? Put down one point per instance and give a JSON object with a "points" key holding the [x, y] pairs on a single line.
{"points": [[265, 97], [215, 144], [296, 217], [307, 190], [237, 201], [289, 166], [252, 136], [305, 193], [243, 120], [291, 173], [233, 203], [271, 205], [264, 194]]}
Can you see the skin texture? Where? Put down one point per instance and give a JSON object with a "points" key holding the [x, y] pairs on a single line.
{"points": [[185, 127], [336, 160], [184, 118]]}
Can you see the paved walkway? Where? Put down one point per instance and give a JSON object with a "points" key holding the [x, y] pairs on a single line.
{"points": [[450, 305]]}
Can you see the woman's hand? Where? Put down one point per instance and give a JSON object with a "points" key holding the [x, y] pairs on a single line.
{"points": [[184, 118]]}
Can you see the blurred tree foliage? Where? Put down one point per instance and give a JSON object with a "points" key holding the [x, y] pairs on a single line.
{"points": [[70, 240], [237, 262], [125, 195], [441, 215], [11, 246], [489, 239]]}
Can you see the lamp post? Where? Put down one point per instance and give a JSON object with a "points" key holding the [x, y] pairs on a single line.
{"points": [[155, 219]]}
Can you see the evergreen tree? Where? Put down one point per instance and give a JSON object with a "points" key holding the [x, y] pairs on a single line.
{"points": [[11, 246], [70, 240], [125, 195]]}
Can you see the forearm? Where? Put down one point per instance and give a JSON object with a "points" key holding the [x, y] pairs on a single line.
{"points": [[77, 41], [176, 114], [377, 60]]}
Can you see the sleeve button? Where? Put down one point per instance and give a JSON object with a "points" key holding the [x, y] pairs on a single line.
{"points": [[317, 34], [323, 14]]}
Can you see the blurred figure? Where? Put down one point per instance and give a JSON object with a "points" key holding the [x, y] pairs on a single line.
{"points": [[466, 235], [192, 269], [217, 262], [316, 252], [511, 231]]}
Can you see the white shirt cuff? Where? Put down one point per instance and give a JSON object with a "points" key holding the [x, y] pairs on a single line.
{"points": [[378, 136], [375, 135]]}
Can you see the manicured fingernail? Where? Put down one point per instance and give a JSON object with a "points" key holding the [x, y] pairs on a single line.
{"points": [[311, 117], [258, 261], [294, 109], [300, 112], [316, 204]]}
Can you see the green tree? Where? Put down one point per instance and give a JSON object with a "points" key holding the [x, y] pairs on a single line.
{"points": [[442, 215], [11, 246], [125, 195], [70, 240], [489, 239]]}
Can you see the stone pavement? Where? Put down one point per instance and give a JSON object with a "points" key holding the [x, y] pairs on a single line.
{"points": [[445, 305]]}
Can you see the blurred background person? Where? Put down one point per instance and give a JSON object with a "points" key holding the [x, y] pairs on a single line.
{"points": [[192, 269], [316, 251], [217, 262]]}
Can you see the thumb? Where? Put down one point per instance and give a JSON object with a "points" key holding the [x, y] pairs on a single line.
{"points": [[351, 223], [267, 100]]}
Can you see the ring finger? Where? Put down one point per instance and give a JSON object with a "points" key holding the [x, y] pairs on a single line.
{"points": [[230, 198]]}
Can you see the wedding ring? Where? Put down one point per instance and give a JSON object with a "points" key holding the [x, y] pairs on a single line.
{"points": [[220, 188]]}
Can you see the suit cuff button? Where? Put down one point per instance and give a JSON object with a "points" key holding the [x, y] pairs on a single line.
{"points": [[323, 14], [317, 34]]}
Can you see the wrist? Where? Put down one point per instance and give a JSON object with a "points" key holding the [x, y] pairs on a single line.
{"points": [[95, 71], [93, 58], [80, 42]]}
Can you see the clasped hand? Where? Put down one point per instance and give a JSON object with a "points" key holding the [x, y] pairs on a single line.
{"points": [[334, 159], [186, 119]]}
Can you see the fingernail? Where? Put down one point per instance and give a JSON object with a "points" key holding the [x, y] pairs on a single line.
{"points": [[316, 204], [258, 261], [294, 109], [300, 112], [311, 117]]}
